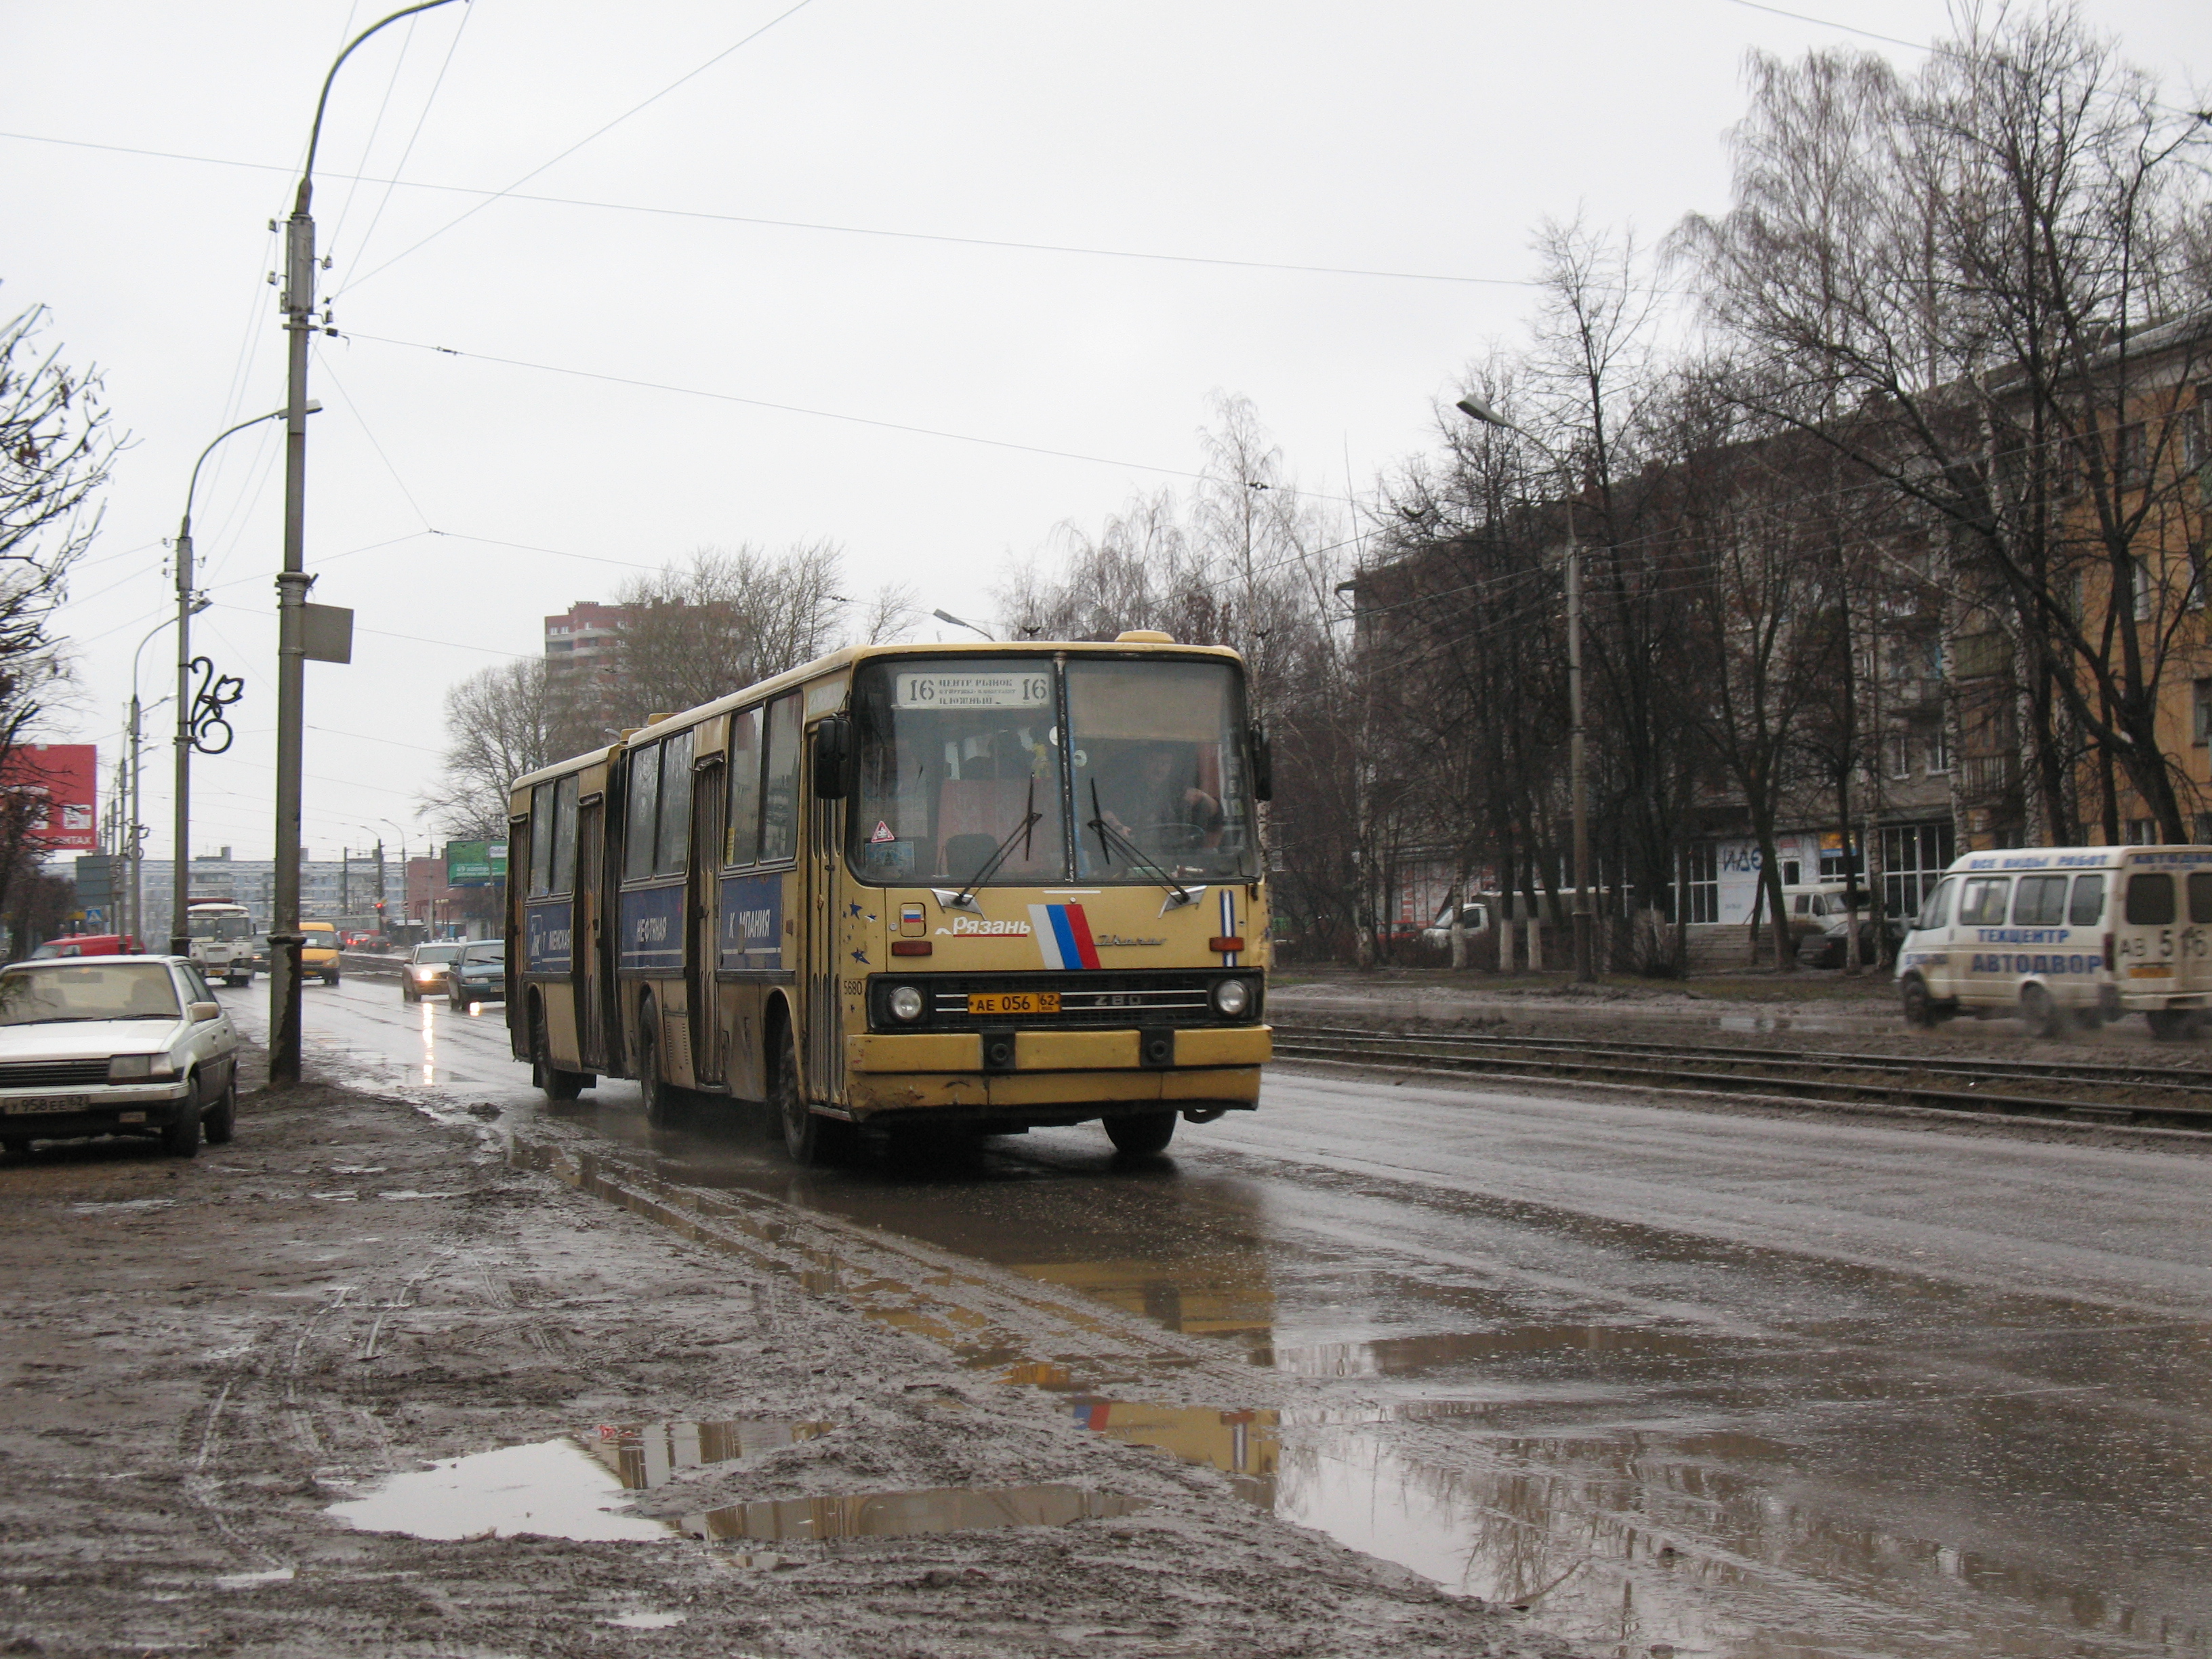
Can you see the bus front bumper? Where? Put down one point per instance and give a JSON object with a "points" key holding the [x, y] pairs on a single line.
{"points": [[944, 1070]]}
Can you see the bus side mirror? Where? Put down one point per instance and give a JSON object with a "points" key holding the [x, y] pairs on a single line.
{"points": [[1263, 767], [833, 755]]}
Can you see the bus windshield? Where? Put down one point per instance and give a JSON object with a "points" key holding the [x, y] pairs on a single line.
{"points": [[222, 926], [963, 773]]}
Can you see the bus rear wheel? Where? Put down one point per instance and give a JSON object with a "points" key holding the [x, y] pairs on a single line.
{"points": [[557, 1084], [809, 1138], [1141, 1134], [660, 1095]]}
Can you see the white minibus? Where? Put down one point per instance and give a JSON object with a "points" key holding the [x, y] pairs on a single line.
{"points": [[2065, 934]]}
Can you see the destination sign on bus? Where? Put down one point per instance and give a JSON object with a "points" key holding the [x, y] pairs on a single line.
{"points": [[951, 690]]}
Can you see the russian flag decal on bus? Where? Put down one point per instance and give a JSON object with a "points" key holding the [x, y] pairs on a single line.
{"points": [[1063, 934]]}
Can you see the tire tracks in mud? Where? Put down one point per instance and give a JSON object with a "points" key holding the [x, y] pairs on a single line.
{"points": [[987, 1318]]}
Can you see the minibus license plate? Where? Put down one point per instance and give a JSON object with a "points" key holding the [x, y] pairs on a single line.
{"points": [[41, 1103], [1013, 1002]]}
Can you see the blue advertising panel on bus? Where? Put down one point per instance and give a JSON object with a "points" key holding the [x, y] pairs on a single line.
{"points": [[752, 921], [653, 929], [545, 941]]}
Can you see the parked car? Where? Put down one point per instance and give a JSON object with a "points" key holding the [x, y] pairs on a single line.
{"points": [[1820, 923], [320, 955], [426, 970], [1475, 919], [133, 1045], [478, 973], [88, 945]]}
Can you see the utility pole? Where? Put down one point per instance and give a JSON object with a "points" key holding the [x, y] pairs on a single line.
{"points": [[382, 927], [298, 304]]}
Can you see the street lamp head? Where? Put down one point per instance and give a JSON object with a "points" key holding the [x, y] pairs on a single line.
{"points": [[1474, 406]]}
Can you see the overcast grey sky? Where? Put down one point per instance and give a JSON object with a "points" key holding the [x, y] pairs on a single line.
{"points": [[455, 501]]}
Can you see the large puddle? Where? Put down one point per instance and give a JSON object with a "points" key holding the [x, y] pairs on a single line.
{"points": [[574, 1487], [1878, 1464]]}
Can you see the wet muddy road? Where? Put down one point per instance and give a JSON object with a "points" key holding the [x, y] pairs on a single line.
{"points": [[1722, 1384]]}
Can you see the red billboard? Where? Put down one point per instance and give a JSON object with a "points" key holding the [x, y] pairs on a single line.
{"points": [[66, 774]]}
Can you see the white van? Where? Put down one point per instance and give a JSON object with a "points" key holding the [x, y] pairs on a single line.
{"points": [[2065, 933]]}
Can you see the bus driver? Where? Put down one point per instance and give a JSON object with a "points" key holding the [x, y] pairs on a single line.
{"points": [[1160, 793]]}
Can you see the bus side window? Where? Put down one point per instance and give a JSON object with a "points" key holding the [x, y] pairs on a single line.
{"points": [[541, 840], [2150, 899], [1933, 914], [2088, 907], [780, 795], [1983, 902], [675, 806], [638, 820], [744, 788], [2200, 896], [563, 876]]}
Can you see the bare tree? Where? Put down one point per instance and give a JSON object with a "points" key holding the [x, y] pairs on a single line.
{"points": [[500, 722], [730, 617], [1987, 287], [56, 447]]}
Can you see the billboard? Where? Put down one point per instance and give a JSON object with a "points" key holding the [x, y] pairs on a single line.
{"points": [[62, 776], [475, 863]]}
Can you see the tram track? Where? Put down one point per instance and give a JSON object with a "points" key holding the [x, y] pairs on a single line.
{"points": [[2122, 1095]]}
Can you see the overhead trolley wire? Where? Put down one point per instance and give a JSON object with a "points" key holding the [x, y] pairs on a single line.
{"points": [[587, 138], [819, 413], [1005, 243]]}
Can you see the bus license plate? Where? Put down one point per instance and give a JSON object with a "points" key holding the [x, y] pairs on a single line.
{"points": [[42, 1103], [1013, 1002]]}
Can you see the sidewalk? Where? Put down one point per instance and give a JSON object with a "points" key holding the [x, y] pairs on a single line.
{"points": [[202, 1357]]}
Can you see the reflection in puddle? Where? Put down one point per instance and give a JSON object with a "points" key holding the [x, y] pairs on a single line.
{"points": [[1702, 1531], [648, 1455], [553, 1489], [558, 1489], [905, 1514]]}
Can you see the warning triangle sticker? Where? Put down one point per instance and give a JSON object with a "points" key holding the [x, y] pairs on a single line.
{"points": [[882, 832]]}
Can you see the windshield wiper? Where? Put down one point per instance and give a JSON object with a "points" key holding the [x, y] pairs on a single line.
{"points": [[1137, 856], [966, 895]]}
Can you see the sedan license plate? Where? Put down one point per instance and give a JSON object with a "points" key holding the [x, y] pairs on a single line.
{"points": [[1013, 1002], [43, 1104]]}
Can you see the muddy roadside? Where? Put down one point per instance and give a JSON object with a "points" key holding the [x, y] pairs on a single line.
{"points": [[204, 1357]]}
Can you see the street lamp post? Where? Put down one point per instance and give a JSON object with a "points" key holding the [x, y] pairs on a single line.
{"points": [[298, 305], [190, 605], [958, 621], [1577, 759]]}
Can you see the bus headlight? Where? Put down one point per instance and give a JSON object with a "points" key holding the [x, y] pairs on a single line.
{"points": [[904, 1003], [1231, 997]]}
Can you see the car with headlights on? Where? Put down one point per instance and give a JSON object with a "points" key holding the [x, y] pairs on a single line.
{"points": [[424, 970], [478, 973], [115, 1046]]}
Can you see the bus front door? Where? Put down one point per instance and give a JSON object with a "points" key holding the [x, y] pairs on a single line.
{"points": [[823, 1011], [709, 807]]}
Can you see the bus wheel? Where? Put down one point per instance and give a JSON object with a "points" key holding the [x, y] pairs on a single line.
{"points": [[810, 1139], [2169, 1025], [556, 1084], [1141, 1133], [660, 1097], [2041, 1014]]}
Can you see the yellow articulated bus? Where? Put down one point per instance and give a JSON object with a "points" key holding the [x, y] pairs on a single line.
{"points": [[1002, 886]]}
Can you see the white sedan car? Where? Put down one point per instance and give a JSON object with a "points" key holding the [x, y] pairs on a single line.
{"points": [[115, 1046]]}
